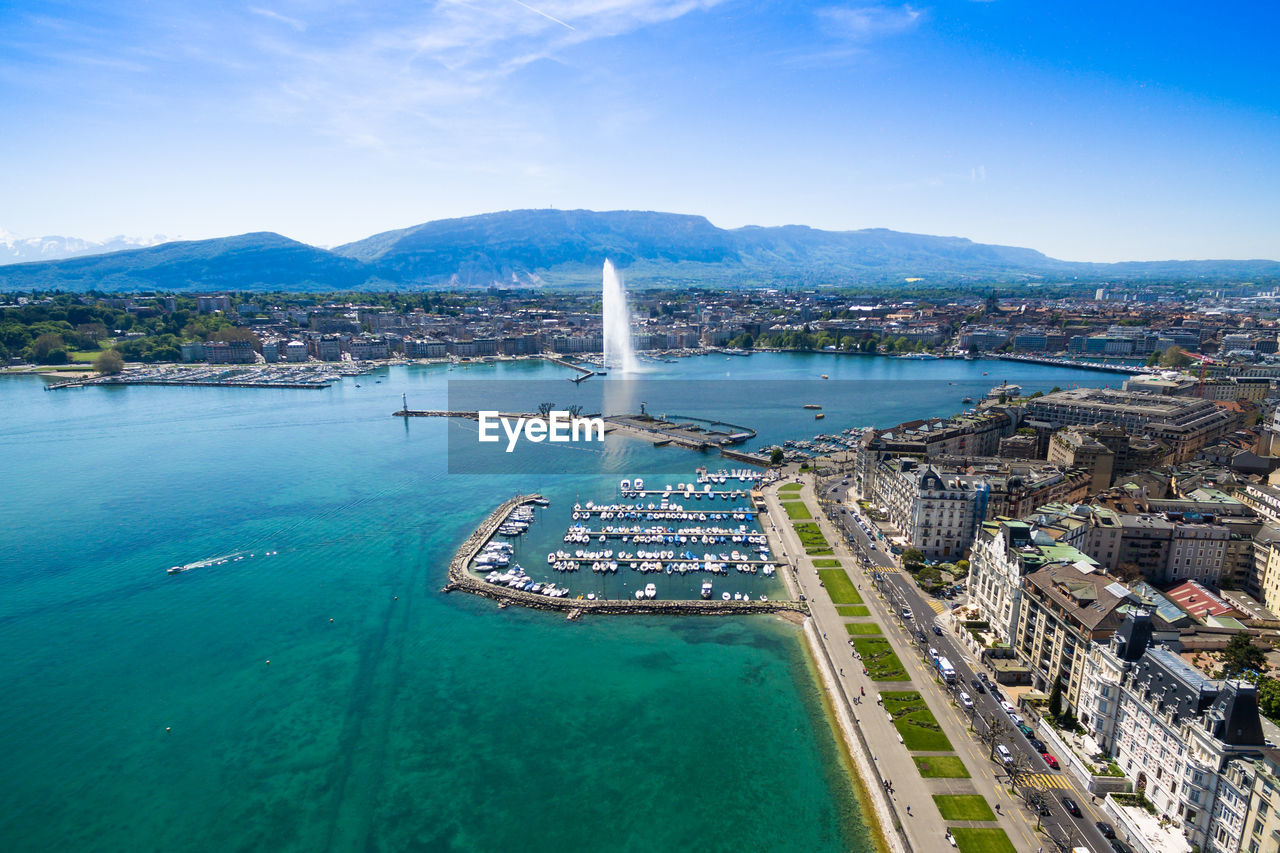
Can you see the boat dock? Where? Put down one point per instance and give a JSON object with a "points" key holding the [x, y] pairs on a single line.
{"points": [[304, 376], [1127, 369], [462, 579], [690, 432]]}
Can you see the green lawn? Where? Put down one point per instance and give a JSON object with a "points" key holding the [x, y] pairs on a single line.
{"points": [[866, 628], [826, 564], [791, 487], [853, 610], [85, 356], [982, 840], [839, 587], [878, 657], [812, 539], [963, 807], [941, 767], [797, 510], [915, 722]]}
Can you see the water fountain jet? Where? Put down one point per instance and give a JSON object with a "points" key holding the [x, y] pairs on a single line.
{"points": [[619, 351]]}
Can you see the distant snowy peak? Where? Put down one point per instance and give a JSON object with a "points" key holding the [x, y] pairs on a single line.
{"points": [[17, 250]]}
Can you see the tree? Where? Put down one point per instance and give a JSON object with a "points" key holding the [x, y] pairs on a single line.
{"points": [[109, 362], [1055, 700], [1241, 655], [1174, 356], [776, 457], [1269, 697], [49, 348]]}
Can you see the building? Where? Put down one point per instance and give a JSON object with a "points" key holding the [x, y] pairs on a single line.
{"points": [[965, 435], [192, 351], [1260, 825], [1183, 424], [229, 352], [1171, 729], [210, 304], [1004, 552], [425, 348], [295, 352], [1065, 607], [1075, 449]]}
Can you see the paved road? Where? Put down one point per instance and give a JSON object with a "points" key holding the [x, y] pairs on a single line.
{"points": [[1063, 829]]}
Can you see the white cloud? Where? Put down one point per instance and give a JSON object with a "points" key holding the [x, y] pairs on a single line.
{"points": [[867, 23]]}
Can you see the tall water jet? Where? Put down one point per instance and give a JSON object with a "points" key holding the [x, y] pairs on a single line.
{"points": [[619, 352]]}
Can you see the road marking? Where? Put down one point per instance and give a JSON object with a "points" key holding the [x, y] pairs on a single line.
{"points": [[936, 606], [1045, 780]]}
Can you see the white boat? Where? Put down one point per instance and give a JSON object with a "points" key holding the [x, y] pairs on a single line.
{"points": [[639, 484], [650, 590], [640, 593], [625, 485], [706, 589], [725, 596]]}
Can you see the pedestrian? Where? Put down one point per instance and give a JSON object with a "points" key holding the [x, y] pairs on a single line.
{"points": [[908, 811], [862, 691], [842, 673]]}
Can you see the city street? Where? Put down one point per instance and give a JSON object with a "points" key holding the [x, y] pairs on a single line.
{"points": [[1032, 776]]}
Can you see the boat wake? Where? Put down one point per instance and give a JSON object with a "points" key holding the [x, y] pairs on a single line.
{"points": [[233, 557]]}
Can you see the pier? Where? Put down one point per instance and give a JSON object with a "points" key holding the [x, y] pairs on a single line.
{"points": [[461, 579], [690, 432], [1128, 370]]}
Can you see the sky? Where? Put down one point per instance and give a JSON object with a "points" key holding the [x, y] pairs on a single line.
{"points": [[1090, 131]]}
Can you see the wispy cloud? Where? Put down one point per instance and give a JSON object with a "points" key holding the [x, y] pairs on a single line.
{"points": [[863, 24], [276, 16]]}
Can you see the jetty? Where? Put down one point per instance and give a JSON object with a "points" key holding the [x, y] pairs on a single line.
{"points": [[463, 580], [1106, 367], [301, 376], [684, 431]]}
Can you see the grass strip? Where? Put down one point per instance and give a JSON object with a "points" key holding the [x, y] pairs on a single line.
{"points": [[982, 840], [865, 628], [878, 657], [853, 610], [812, 539], [839, 587], [791, 487], [963, 807], [797, 510], [941, 767], [915, 722], [826, 564]]}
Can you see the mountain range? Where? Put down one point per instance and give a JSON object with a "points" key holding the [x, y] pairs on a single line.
{"points": [[567, 247], [15, 249]]}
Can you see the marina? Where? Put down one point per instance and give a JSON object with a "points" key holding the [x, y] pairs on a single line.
{"points": [[303, 376]]}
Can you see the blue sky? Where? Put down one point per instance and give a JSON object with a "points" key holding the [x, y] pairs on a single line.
{"points": [[1090, 131]]}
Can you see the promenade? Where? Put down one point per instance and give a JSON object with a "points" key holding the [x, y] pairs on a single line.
{"points": [[909, 816]]}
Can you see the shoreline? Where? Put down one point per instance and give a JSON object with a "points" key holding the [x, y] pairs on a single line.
{"points": [[876, 812]]}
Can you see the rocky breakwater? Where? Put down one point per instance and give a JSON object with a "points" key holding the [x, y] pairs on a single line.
{"points": [[461, 579]]}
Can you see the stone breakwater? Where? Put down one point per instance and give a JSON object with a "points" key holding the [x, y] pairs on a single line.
{"points": [[461, 578]]}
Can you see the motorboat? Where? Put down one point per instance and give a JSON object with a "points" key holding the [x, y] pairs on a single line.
{"points": [[706, 589], [650, 590]]}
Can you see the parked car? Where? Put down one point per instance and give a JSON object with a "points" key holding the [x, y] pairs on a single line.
{"points": [[977, 685], [966, 701], [1005, 755], [983, 676], [1006, 707], [1119, 846], [1071, 806], [1107, 830], [933, 653], [1036, 743], [1018, 721], [1050, 760], [937, 630]]}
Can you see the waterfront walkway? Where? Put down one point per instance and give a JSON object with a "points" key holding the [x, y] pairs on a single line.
{"points": [[874, 741]]}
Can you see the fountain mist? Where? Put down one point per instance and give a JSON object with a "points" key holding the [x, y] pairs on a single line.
{"points": [[619, 352]]}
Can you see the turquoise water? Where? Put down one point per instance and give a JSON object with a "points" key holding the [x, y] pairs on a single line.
{"points": [[140, 711]]}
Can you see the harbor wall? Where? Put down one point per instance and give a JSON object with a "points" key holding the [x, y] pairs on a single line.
{"points": [[461, 578]]}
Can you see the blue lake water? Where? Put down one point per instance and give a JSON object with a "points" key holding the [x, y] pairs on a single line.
{"points": [[140, 712]]}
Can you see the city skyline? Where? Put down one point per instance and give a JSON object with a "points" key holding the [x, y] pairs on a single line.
{"points": [[1130, 134]]}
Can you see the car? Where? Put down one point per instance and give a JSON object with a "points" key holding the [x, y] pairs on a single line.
{"points": [[937, 631], [983, 677], [906, 613], [977, 685], [1018, 721], [1005, 755], [1036, 743], [1107, 830], [1071, 806], [1006, 707], [966, 701], [1119, 846], [920, 638], [1050, 760], [1025, 729]]}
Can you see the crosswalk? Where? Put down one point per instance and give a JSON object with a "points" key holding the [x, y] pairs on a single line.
{"points": [[936, 606], [1044, 780]]}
